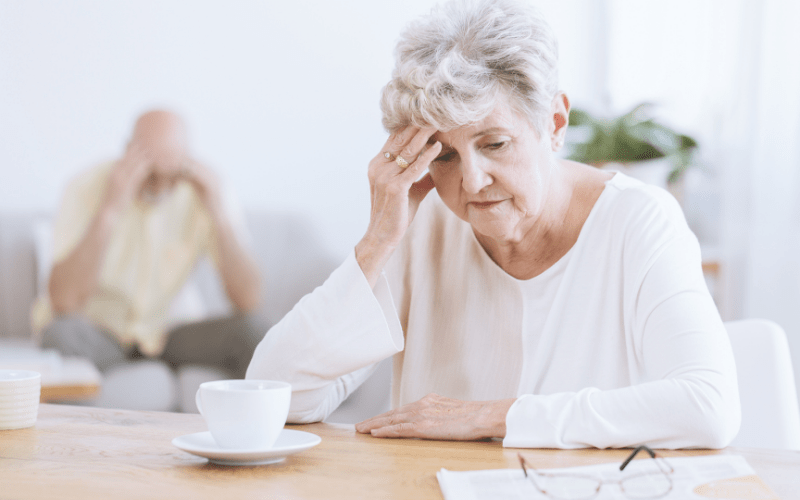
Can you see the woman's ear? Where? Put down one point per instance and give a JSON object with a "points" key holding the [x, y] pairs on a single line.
{"points": [[560, 114]]}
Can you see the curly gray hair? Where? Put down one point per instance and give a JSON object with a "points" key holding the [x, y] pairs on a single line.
{"points": [[456, 63]]}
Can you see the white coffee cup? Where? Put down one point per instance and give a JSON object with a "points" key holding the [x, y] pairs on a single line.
{"points": [[244, 414], [19, 398]]}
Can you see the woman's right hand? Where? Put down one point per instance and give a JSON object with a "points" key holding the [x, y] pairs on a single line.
{"points": [[395, 195]]}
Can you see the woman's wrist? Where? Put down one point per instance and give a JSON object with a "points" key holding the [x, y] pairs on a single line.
{"points": [[495, 417], [371, 258]]}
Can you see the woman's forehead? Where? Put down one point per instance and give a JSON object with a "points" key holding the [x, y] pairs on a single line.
{"points": [[502, 120]]}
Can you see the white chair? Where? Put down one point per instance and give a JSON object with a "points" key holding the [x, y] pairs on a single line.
{"points": [[770, 414]]}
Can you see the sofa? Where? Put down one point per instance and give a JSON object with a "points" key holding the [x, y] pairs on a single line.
{"points": [[291, 258]]}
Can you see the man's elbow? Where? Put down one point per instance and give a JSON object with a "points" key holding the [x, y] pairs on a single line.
{"points": [[246, 304], [247, 299], [62, 300]]}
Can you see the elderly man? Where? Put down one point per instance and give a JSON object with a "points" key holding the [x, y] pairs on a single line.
{"points": [[130, 238]]}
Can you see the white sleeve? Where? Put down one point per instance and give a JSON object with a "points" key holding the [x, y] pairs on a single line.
{"points": [[330, 342], [690, 398]]}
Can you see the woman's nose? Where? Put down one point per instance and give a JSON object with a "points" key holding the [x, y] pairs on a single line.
{"points": [[473, 176]]}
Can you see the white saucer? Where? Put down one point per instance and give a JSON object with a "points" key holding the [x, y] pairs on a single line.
{"points": [[289, 442]]}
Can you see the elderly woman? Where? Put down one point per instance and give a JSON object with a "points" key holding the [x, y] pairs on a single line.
{"points": [[533, 299]]}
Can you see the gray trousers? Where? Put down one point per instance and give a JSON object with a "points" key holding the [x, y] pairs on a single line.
{"points": [[226, 343]]}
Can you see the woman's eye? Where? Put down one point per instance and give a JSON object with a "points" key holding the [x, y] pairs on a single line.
{"points": [[497, 145], [445, 157]]}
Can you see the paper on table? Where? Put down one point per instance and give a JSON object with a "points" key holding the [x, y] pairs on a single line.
{"points": [[714, 476]]}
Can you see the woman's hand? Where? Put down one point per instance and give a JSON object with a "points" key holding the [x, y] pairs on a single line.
{"points": [[437, 417], [395, 196]]}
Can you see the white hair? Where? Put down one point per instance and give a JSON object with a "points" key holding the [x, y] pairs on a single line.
{"points": [[455, 64]]}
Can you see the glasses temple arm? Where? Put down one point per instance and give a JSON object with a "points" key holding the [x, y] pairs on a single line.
{"points": [[522, 463], [632, 455]]}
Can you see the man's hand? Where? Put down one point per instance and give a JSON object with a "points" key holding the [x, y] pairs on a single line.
{"points": [[437, 417], [74, 279], [206, 184], [238, 270], [128, 178]]}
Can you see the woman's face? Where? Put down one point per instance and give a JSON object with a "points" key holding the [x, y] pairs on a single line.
{"points": [[495, 174]]}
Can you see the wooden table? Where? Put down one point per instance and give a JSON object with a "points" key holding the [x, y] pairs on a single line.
{"points": [[69, 392], [63, 378], [77, 380], [85, 453]]}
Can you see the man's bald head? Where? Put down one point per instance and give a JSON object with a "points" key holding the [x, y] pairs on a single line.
{"points": [[162, 134]]}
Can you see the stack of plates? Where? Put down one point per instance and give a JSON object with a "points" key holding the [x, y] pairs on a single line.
{"points": [[19, 398]]}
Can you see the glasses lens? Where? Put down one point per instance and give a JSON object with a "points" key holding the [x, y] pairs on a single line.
{"points": [[568, 487], [651, 485]]}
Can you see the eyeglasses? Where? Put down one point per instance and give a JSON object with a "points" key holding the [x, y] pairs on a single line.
{"points": [[654, 483]]}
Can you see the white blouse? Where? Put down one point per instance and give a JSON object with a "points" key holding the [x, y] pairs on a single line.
{"points": [[617, 344]]}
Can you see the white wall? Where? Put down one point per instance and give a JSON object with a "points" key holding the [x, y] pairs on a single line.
{"points": [[280, 96], [728, 73]]}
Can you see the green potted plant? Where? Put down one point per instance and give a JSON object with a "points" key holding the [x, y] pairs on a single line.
{"points": [[627, 140]]}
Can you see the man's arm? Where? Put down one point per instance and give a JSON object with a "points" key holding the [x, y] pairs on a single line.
{"points": [[74, 278], [237, 268]]}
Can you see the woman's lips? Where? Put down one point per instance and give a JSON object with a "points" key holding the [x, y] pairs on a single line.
{"points": [[483, 205]]}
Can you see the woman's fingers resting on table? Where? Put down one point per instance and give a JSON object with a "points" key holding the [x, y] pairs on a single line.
{"points": [[396, 193], [438, 417]]}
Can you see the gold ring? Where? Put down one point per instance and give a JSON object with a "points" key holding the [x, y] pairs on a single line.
{"points": [[401, 162], [389, 156]]}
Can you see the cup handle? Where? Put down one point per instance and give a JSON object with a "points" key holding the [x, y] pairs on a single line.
{"points": [[197, 401]]}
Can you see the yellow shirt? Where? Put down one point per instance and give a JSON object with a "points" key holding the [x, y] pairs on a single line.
{"points": [[152, 251]]}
